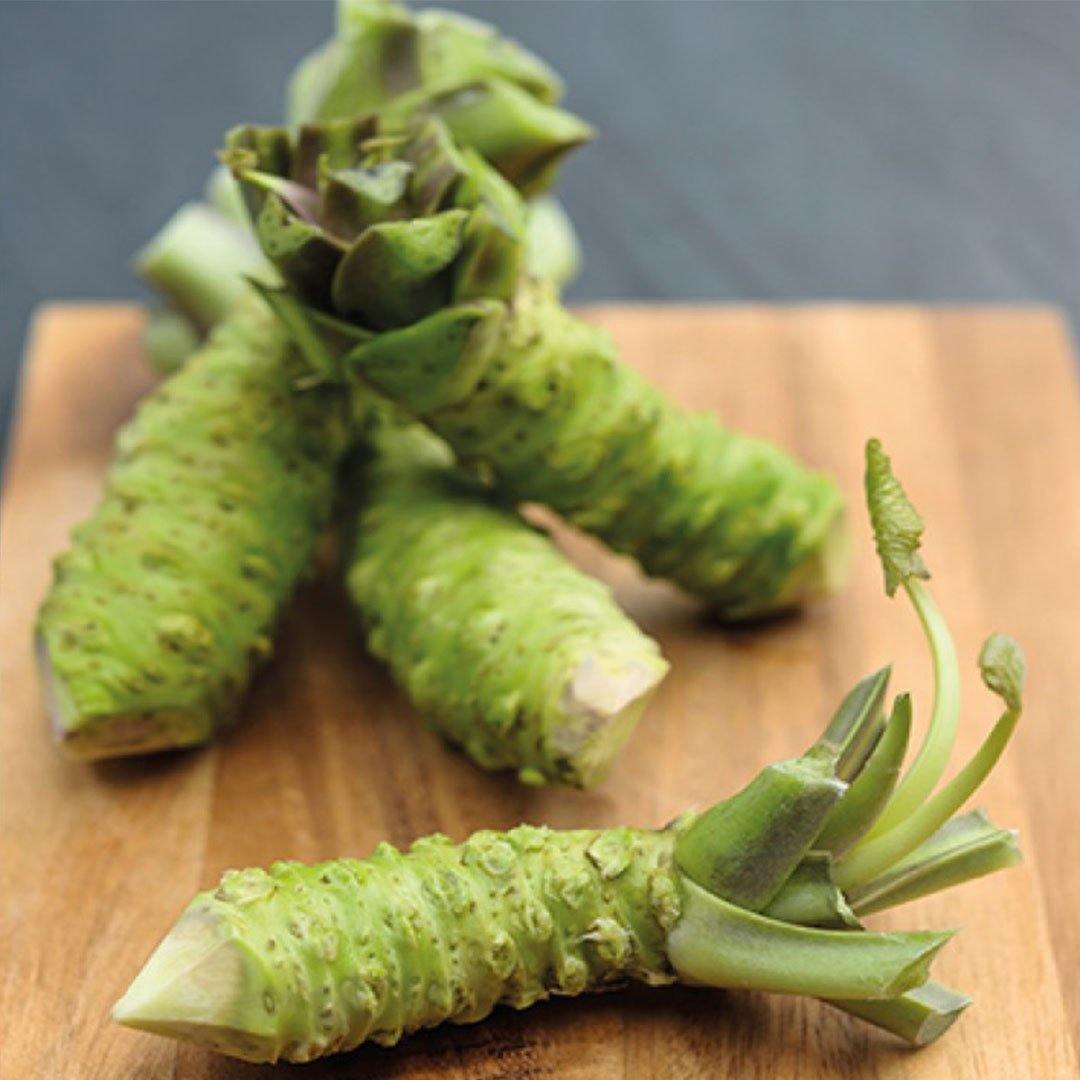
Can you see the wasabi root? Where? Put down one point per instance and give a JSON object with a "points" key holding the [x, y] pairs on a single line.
{"points": [[169, 594], [432, 267], [301, 961], [503, 646]]}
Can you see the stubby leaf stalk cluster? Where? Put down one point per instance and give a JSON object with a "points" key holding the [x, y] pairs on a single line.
{"points": [[498, 97], [416, 243], [763, 891]]}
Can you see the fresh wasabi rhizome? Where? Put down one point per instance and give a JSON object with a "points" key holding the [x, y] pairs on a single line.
{"points": [[762, 891]]}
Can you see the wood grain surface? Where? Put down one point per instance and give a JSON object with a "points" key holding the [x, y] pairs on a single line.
{"points": [[979, 410]]}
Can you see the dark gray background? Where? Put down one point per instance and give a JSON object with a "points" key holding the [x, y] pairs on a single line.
{"points": [[760, 150]]}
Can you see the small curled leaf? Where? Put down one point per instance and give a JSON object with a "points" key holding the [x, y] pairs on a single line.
{"points": [[1002, 666], [897, 525]]}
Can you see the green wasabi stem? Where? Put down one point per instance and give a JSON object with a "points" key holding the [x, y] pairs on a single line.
{"points": [[179, 246], [170, 339], [494, 95], [746, 847], [397, 270], [529, 663], [552, 251], [454, 47], [382, 49], [383, 58], [920, 1016], [965, 848], [200, 260], [314, 339], [523, 139], [853, 733], [866, 797], [1001, 663], [166, 599], [719, 944], [760, 867], [810, 897], [595, 683], [933, 755], [522, 390], [303, 961], [449, 230], [910, 817], [222, 194]]}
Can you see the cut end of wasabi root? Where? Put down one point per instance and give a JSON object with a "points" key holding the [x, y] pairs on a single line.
{"points": [[602, 707], [88, 736], [202, 986], [117, 735]]}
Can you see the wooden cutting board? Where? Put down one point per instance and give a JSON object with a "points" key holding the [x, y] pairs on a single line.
{"points": [[978, 408]]}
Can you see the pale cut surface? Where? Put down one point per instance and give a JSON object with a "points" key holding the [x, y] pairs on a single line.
{"points": [[607, 706], [114, 734], [190, 988], [192, 977], [979, 411]]}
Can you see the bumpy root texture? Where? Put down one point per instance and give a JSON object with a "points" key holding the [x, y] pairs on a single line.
{"points": [[529, 664], [569, 726], [540, 401], [168, 596], [300, 961]]}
